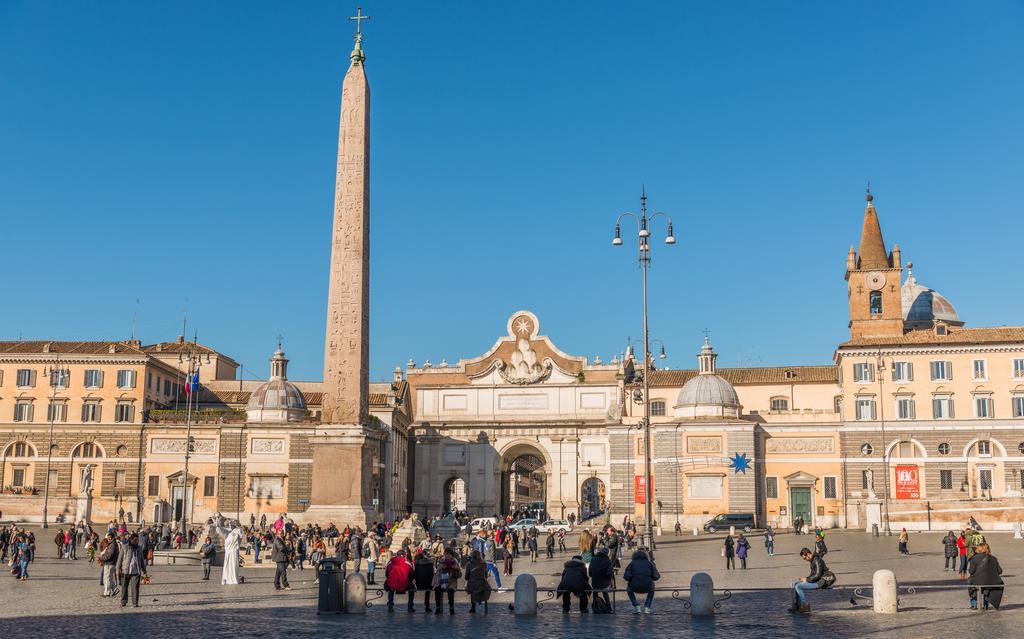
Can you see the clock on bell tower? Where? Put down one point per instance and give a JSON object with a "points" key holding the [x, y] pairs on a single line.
{"points": [[874, 276]]}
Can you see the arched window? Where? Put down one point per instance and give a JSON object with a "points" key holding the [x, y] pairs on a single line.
{"points": [[20, 449], [87, 450], [876, 302], [780, 403], [657, 408], [907, 448]]}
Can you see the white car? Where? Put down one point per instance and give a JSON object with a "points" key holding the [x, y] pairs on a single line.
{"points": [[480, 522], [523, 524], [556, 525]]}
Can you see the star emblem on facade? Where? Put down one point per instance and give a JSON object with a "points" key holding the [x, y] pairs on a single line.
{"points": [[523, 325], [739, 463]]}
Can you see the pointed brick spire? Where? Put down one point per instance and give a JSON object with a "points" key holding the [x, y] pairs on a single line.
{"points": [[872, 247]]}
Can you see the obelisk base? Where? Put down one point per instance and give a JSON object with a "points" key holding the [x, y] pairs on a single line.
{"points": [[345, 468]]}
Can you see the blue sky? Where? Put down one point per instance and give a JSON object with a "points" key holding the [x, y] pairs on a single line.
{"points": [[186, 150]]}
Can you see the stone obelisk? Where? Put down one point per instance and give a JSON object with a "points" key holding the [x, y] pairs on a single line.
{"points": [[343, 468]]}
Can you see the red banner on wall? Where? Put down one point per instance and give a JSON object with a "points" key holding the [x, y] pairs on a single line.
{"points": [[640, 490], [908, 482]]}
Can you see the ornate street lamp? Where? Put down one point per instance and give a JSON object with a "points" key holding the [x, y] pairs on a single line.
{"points": [[59, 378]]}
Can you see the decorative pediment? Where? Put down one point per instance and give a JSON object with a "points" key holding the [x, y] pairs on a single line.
{"points": [[801, 478], [523, 357]]}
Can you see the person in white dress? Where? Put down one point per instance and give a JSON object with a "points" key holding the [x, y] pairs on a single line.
{"points": [[232, 545]]}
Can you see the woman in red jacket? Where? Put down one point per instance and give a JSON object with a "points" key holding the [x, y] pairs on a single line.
{"points": [[398, 576], [961, 547]]}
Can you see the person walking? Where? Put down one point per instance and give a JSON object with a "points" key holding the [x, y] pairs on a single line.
{"points": [[640, 575], [961, 549], [356, 550], [950, 551], [769, 541], [446, 580], [531, 544], [476, 582], [58, 540], [574, 581], [22, 556], [602, 575], [549, 544], [206, 554], [729, 552], [131, 567], [985, 571], [398, 579], [903, 542], [317, 555], [819, 577], [423, 576], [508, 555], [820, 548], [561, 540], [488, 554], [742, 548], [280, 556], [108, 561]]}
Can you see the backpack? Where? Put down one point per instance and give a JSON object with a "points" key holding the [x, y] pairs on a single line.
{"points": [[600, 605], [828, 579]]}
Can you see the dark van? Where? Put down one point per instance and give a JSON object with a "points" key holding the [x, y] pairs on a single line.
{"points": [[742, 521]]}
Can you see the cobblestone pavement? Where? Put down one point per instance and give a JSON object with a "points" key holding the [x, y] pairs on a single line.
{"points": [[63, 597]]}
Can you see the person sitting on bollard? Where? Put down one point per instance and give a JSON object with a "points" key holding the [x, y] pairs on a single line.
{"points": [[398, 578], [819, 577], [985, 571], [574, 582], [477, 587], [601, 576], [446, 580], [640, 575]]}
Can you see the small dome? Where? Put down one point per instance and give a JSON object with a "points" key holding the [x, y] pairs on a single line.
{"points": [[277, 399], [922, 306], [707, 394]]}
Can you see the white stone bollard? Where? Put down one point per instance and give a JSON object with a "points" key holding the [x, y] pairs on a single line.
{"points": [[732, 531], [525, 602], [695, 531], [355, 594], [702, 595], [883, 592], [1017, 531]]}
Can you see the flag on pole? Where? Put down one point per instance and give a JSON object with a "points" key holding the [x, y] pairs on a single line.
{"points": [[192, 383]]}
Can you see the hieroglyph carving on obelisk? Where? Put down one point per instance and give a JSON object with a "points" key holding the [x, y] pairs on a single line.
{"points": [[347, 348]]}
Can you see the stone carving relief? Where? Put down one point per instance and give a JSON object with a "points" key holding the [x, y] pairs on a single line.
{"points": [[800, 445], [267, 446], [703, 444], [524, 366], [175, 446]]}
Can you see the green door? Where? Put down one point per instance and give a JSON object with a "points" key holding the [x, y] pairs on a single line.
{"points": [[800, 504]]}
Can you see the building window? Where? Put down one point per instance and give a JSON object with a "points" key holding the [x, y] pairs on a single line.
{"points": [[875, 301], [985, 478], [1018, 405], [864, 483], [208, 486], [942, 371], [149, 380], [60, 377], [983, 407], [905, 408], [942, 408], [771, 487], [57, 411], [266, 487], [837, 404], [780, 403], [980, 369], [863, 372], [20, 449], [167, 387], [946, 479], [984, 448], [865, 408], [126, 378], [153, 486], [18, 477], [25, 378], [91, 411], [902, 372], [657, 408], [23, 410], [120, 478], [124, 412], [830, 488], [93, 378], [943, 448], [87, 449], [1018, 369], [866, 449], [706, 487], [53, 476]]}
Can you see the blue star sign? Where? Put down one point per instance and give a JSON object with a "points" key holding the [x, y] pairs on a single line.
{"points": [[739, 463]]}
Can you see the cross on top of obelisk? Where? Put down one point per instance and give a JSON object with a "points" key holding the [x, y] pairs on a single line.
{"points": [[359, 17]]}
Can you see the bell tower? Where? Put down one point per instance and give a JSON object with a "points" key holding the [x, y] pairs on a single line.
{"points": [[874, 277]]}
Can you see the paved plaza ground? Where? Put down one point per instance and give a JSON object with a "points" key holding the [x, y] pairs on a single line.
{"points": [[63, 599]]}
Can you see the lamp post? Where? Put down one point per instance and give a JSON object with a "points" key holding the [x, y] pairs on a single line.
{"points": [[644, 223], [191, 357], [59, 377], [880, 368]]}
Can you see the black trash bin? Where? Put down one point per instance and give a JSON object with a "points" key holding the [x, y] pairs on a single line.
{"points": [[332, 586]]}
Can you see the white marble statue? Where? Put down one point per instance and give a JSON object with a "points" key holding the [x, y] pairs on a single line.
{"points": [[232, 546]]}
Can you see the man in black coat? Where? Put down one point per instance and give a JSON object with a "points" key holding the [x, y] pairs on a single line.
{"points": [[279, 555], [601, 577], [574, 582]]}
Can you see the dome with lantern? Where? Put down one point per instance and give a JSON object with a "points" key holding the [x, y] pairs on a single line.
{"points": [[707, 395], [277, 399], [923, 306]]}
